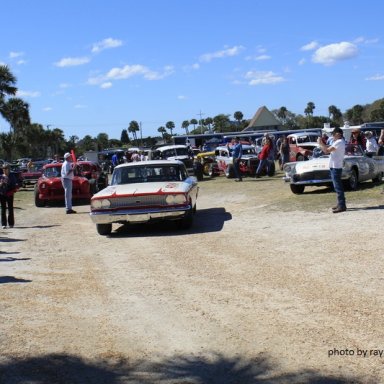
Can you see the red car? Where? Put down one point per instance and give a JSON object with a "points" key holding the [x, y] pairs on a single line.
{"points": [[32, 174], [98, 179], [49, 187]]}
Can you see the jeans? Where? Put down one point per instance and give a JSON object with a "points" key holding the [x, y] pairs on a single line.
{"points": [[7, 202], [262, 164], [236, 168], [338, 186], [67, 185]]}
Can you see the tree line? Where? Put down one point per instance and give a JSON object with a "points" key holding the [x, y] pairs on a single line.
{"points": [[28, 139]]}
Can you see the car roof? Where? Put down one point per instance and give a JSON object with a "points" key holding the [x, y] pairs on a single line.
{"points": [[171, 147], [150, 162]]}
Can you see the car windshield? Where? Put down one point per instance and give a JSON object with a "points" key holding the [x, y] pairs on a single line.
{"points": [[174, 152], [353, 150], [350, 150], [52, 171], [148, 173]]}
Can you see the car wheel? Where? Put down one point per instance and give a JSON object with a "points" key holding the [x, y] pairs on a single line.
{"points": [[104, 229], [297, 189], [378, 178], [38, 202], [353, 181], [187, 221], [206, 169], [211, 171]]}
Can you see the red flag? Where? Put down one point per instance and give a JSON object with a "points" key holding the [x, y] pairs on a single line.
{"points": [[73, 156]]}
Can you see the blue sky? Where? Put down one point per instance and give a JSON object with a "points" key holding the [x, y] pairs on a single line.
{"points": [[91, 66]]}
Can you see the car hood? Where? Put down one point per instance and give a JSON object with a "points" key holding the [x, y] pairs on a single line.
{"points": [[319, 164], [143, 189]]}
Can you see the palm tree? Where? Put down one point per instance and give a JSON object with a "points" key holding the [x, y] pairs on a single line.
{"points": [[16, 112], [193, 122], [208, 121], [308, 111], [133, 128], [238, 117], [170, 125], [185, 125], [282, 114], [162, 130], [7, 83]]}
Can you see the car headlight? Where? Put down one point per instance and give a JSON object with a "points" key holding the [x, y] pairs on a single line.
{"points": [[175, 199], [100, 203], [288, 168]]}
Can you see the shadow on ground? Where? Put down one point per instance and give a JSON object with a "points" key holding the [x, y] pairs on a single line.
{"points": [[206, 220], [212, 369]]}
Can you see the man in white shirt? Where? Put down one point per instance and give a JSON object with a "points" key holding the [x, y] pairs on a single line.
{"points": [[336, 151], [66, 179]]}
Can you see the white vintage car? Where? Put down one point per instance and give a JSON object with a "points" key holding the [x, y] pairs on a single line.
{"points": [[358, 167], [146, 191]]}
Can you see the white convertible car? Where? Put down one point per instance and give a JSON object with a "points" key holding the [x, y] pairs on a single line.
{"points": [[358, 167], [146, 191]]}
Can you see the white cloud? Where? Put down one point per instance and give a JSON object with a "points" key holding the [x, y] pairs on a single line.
{"points": [[106, 44], [13, 55], [47, 109], [106, 85], [182, 97], [310, 46], [228, 52], [332, 53], [80, 106], [376, 78], [129, 71], [263, 77], [72, 61], [302, 61], [21, 93]]}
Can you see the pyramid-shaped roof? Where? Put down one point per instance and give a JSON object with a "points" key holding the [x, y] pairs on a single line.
{"points": [[263, 120]]}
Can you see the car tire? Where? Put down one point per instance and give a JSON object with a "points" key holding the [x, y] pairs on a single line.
{"points": [[353, 182], [206, 168], [187, 221], [297, 189], [378, 178], [211, 170], [38, 202], [104, 229]]}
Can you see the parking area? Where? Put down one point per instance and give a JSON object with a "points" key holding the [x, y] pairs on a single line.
{"points": [[267, 287]]}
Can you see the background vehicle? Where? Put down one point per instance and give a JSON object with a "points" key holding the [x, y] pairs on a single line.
{"points": [[357, 168], [248, 164], [301, 145], [98, 179], [49, 187]]}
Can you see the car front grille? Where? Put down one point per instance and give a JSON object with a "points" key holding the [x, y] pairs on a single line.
{"points": [[138, 201], [308, 176]]}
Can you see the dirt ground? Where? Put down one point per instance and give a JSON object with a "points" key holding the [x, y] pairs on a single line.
{"points": [[267, 287]]}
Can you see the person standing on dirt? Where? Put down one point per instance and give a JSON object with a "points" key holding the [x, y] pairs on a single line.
{"points": [[237, 153], [264, 156], [67, 173], [8, 187], [336, 152]]}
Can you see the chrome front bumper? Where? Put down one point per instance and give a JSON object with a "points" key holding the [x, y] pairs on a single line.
{"points": [[137, 216]]}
